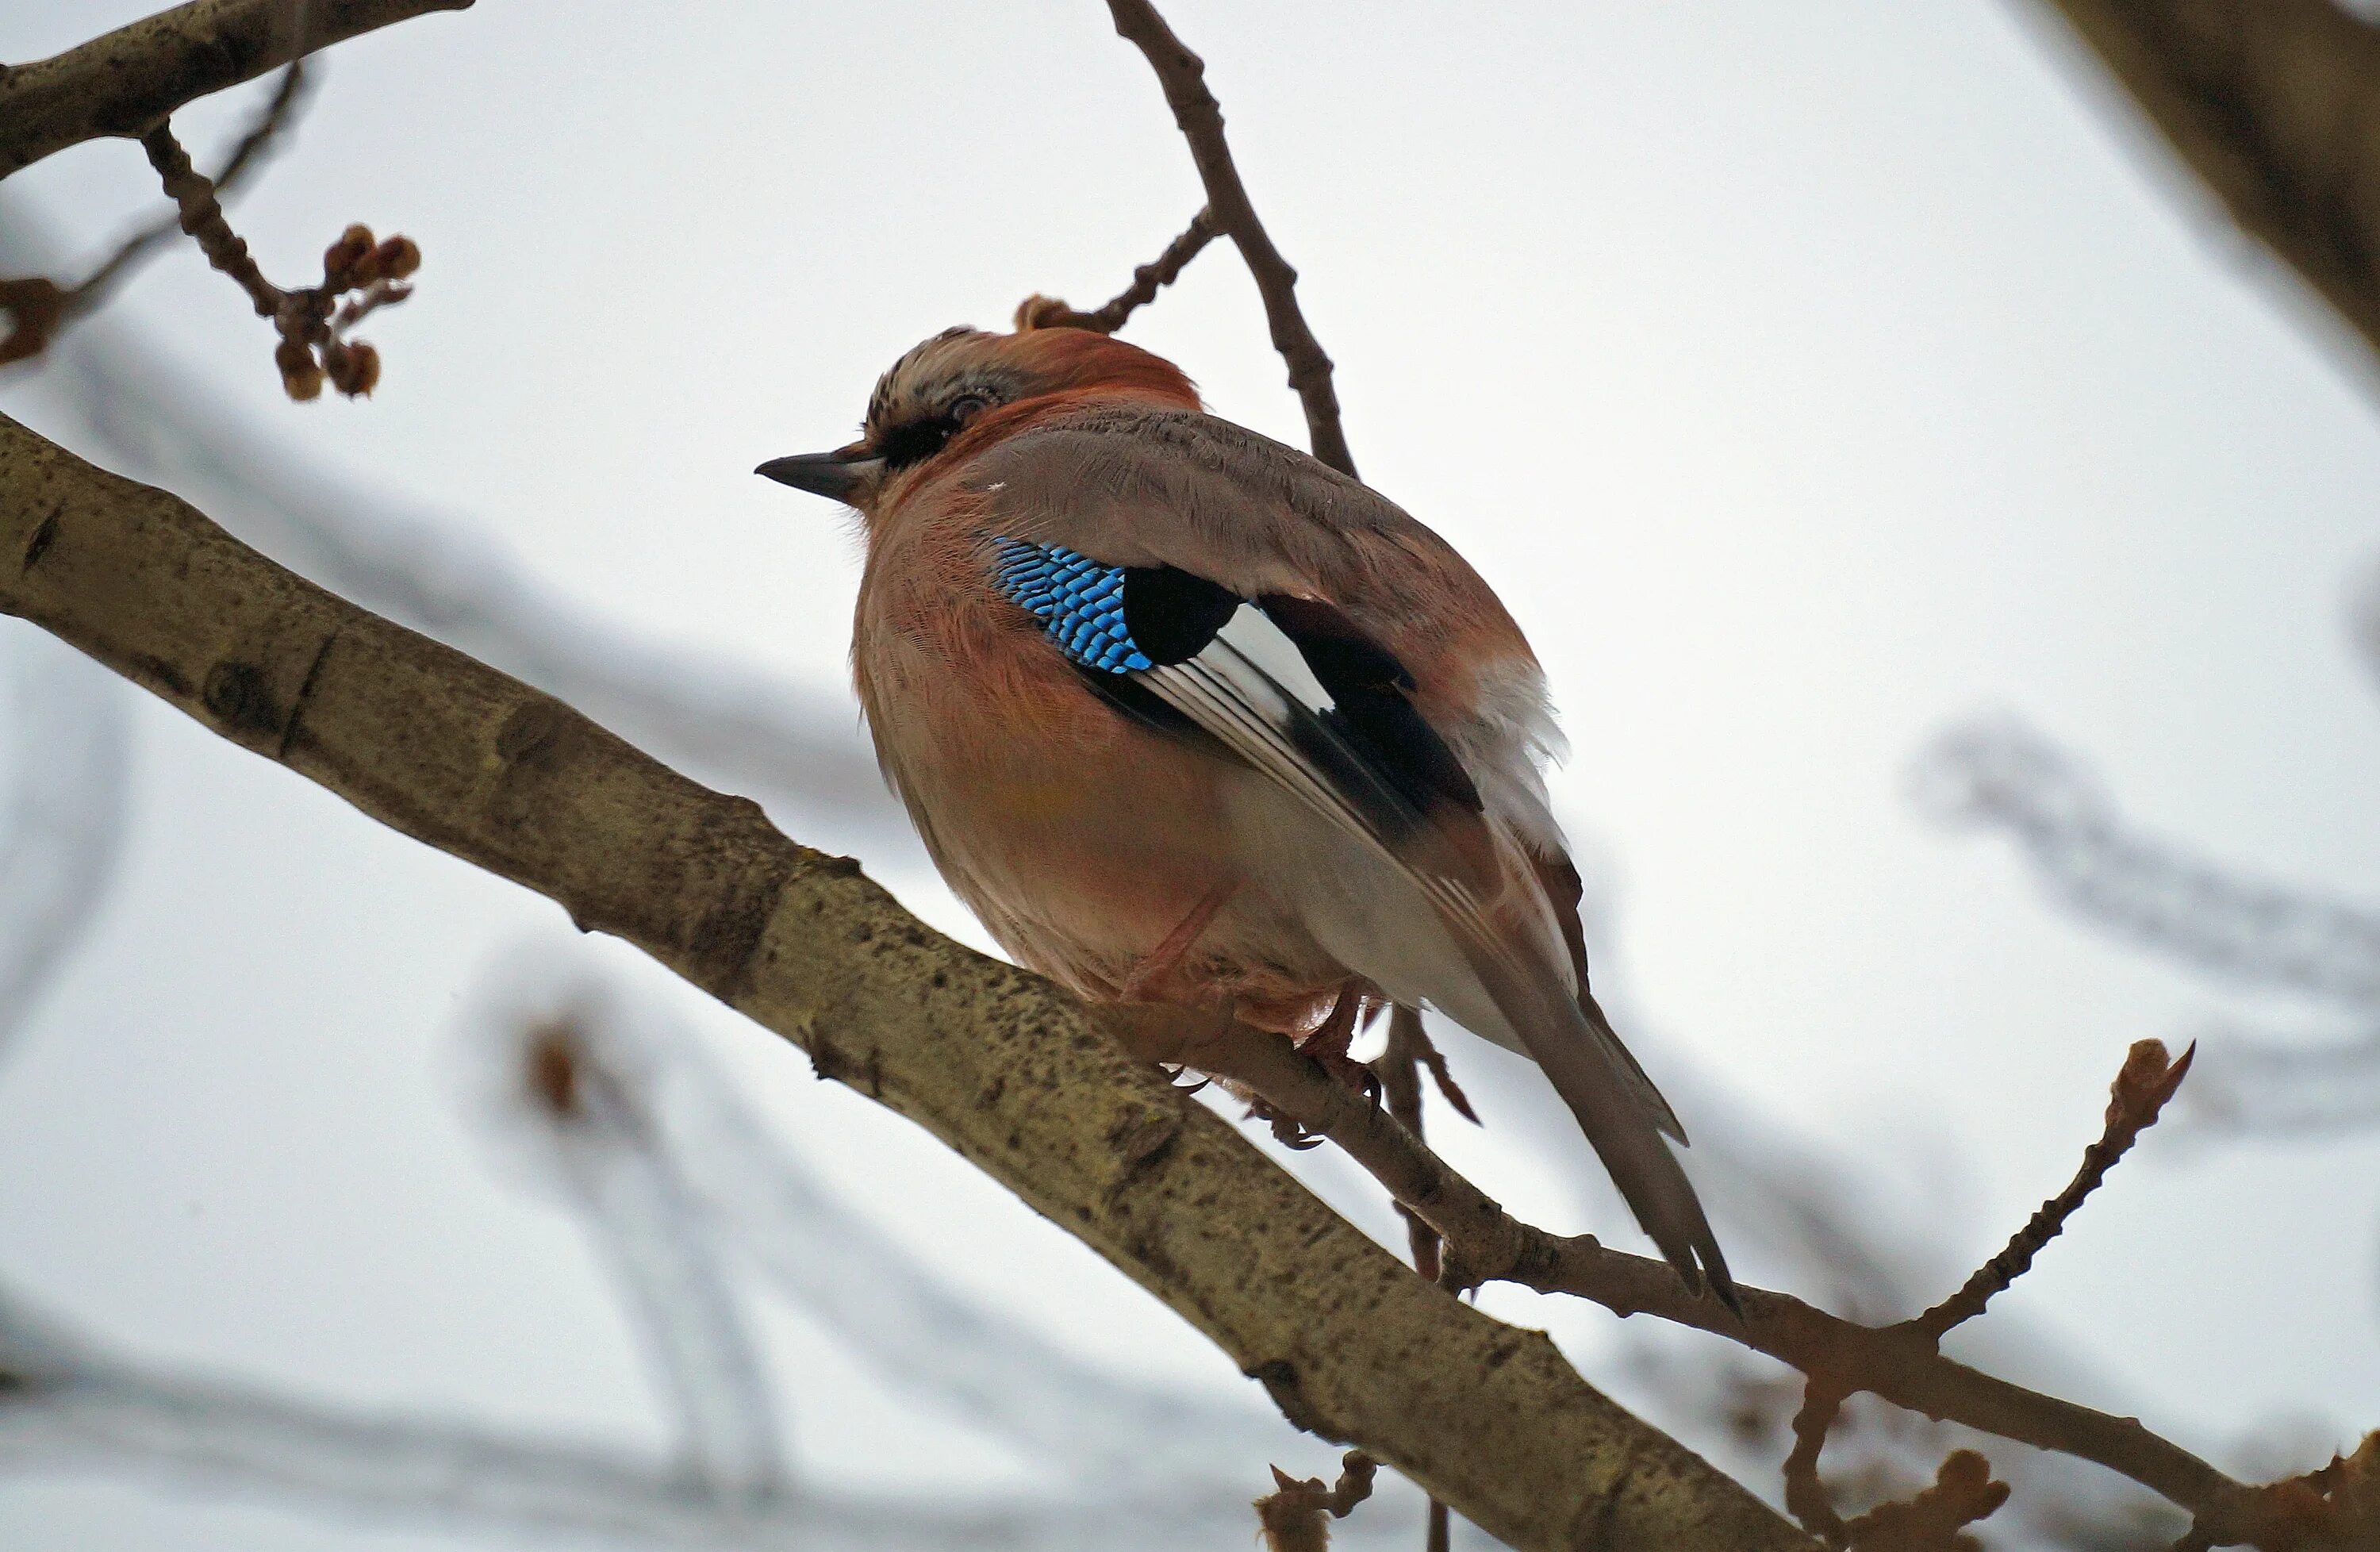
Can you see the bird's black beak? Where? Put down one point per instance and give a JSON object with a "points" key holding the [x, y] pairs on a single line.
{"points": [[840, 475]]}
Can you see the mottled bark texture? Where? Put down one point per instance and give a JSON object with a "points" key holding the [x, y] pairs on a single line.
{"points": [[995, 1062], [2275, 103], [125, 81]]}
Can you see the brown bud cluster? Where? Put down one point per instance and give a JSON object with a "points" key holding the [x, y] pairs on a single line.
{"points": [[365, 271], [301, 375], [359, 260], [354, 368]]}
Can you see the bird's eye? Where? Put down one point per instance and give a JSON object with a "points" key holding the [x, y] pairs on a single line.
{"points": [[967, 406]]}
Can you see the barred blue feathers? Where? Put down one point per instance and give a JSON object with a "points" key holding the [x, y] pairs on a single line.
{"points": [[1078, 602]]}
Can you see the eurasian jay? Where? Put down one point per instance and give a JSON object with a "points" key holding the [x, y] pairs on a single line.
{"points": [[1187, 717]]}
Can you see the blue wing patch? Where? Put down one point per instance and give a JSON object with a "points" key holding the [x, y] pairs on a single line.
{"points": [[1078, 602]]}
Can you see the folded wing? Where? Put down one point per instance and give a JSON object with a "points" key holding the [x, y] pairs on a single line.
{"points": [[1294, 689]]}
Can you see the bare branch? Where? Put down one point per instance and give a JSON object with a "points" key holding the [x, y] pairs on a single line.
{"points": [[1963, 1493], [1048, 312], [131, 79], [1805, 1494], [1484, 1243], [2140, 1092], [314, 347], [998, 1062], [1200, 118]]}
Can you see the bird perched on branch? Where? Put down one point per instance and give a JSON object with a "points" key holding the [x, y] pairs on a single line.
{"points": [[1187, 717]]}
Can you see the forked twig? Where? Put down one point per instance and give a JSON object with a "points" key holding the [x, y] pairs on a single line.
{"points": [[1200, 118], [1902, 1364], [313, 347]]}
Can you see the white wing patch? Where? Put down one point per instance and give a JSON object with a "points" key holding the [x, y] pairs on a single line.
{"points": [[1251, 687]]}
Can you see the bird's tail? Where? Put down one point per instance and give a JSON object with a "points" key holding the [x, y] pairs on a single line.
{"points": [[1622, 1114]]}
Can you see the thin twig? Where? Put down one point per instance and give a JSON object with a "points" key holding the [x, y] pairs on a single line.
{"points": [[1963, 1493], [2148, 1079], [248, 153], [39, 308], [201, 216], [313, 349], [1901, 1363], [1200, 120], [1048, 312], [1805, 1494]]}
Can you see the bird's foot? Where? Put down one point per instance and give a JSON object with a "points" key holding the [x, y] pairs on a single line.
{"points": [[1328, 1045], [1290, 1134]]}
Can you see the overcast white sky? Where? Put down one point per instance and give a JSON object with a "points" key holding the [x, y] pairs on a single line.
{"points": [[1805, 377]]}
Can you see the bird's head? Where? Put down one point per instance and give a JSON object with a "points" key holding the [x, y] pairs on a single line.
{"points": [[964, 387]]}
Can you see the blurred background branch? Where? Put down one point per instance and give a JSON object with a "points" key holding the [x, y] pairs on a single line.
{"points": [[2271, 103]]}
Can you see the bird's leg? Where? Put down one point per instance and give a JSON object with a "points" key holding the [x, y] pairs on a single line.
{"points": [[1329, 1042], [1325, 1045], [1161, 959]]}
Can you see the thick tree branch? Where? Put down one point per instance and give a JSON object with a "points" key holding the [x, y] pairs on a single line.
{"points": [[1200, 118], [2275, 104], [995, 1062], [129, 79]]}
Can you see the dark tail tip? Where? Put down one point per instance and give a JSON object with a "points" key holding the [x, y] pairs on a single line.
{"points": [[1712, 1274]]}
